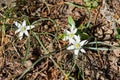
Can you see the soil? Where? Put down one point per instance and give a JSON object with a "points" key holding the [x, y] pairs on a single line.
{"points": [[98, 65]]}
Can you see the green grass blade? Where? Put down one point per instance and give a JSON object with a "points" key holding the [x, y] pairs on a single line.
{"points": [[101, 48], [98, 42], [41, 44], [27, 50]]}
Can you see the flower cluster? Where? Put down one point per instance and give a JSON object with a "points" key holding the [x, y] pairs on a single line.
{"points": [[23, 29], [74, 40]]}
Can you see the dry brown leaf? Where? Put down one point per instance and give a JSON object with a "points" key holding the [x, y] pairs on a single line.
{"points": [[117, 52], [28, 63]]}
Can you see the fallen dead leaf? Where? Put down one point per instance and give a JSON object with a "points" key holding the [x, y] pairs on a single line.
{"points": [[117, 50], [28, 63]]}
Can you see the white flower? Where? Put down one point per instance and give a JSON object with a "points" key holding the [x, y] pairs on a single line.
{"points": [[70, 34], [77, 45], [23, 29]]}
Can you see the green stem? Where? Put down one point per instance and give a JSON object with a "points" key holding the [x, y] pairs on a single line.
{"points": [[89, 15], [57, 65], [83, 76], [34, 34], [27, 51], [72, 67]]}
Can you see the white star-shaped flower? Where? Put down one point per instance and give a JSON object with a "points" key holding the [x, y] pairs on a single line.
{"points": [[77, 45], [23, 29], [70, 34]]}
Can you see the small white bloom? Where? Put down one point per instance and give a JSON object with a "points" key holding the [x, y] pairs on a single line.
{"points": [[70, 34], [77, 45], [23, 29]]}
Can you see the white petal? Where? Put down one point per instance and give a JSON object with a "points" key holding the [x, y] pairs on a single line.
{"points": [[20, 35], [73, 26], [67, 32], [26, 33], [82, 50], [76, 51], [18, 30], [17, 24], [83, 42], [77, 38], [71, 40], [74, 30], [24, 23], [29, 27], [70, 47], [32, 26]]}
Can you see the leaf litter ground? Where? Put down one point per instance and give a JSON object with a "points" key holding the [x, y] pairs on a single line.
{"points": [[98, 65]]}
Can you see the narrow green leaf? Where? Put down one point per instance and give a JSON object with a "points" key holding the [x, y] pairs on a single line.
{"points": [[84, 36], [98, 42], [118, 30], [117, 36], [71, 21], [101, 48], [27, 50], [81, 27], [40, 42]]}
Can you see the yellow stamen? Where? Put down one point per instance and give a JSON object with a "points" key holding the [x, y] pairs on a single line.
{"points": [[23, 28], [71, 35], [77, 45]]}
